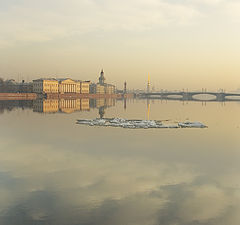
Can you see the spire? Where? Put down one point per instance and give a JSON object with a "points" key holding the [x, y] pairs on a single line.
{"points": [[102, 78], [125, 87], [148, 84]]}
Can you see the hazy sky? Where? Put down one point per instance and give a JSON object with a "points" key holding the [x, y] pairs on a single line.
{"points": [[180, 43]]}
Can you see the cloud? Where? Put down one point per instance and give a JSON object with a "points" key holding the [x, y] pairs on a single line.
{"points": [[34, 21], [233, 11], [207, 2], [25, 21]]}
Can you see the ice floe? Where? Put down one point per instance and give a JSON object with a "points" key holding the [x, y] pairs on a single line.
{"points": [[191, 124], [137, 124]]}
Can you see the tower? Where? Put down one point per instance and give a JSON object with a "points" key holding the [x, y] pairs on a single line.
{"points": [[102, 78], [148, 84], [125, 87]]}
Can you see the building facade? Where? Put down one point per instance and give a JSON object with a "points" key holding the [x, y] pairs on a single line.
{"points": [[109, 89], [45, 86], [60, 86], [101, 87], [85, 85], [69, 86], [102, 78]]}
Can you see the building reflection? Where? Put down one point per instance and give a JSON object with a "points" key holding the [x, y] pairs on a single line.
{"points": [[101, 104], [71, 105], [46, 105], [101, 112], [59, 105], [9, 105]]}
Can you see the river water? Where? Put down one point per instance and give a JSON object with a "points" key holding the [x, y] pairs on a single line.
{"points": [[56, 172]]}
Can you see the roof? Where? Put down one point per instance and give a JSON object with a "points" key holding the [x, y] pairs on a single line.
{"points": [[61, 79], [41, 79]]}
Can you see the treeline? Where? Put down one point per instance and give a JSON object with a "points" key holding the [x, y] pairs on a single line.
{"points": [[11, 86]]}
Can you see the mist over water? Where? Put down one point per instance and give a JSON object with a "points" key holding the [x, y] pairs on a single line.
{"points": [[53, 171]]}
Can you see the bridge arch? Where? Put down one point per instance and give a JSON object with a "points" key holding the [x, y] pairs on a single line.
{"points": [[174, 96], [233, 97], [204, 96]]}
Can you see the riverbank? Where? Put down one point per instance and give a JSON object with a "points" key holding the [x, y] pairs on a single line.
{"points": [[18, 96], [33, 96], [91, 96]]}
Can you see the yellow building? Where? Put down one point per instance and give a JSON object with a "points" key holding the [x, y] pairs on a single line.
{"points": [[45, 86], [103, 89], [85, 87], [46, 105], [100, 89], [69, 86], [109, 89], [60, 86]]}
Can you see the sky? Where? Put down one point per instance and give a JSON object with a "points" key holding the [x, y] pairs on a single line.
{"points": [[179, 43]]}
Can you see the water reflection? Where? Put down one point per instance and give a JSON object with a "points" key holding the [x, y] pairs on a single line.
{"points": [[70, 105], [6, 105], [58, 105], [55, 172]]}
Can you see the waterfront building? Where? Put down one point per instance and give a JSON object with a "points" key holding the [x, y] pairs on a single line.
{"points": [[69, 86], [109, 89], [101, 87], [85, 87], [66, 85], [49, 85], [102, 78], [92, 88], [97, 88]]}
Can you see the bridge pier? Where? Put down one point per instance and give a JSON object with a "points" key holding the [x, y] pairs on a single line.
{"points": [[220, 97], [186, 96]]}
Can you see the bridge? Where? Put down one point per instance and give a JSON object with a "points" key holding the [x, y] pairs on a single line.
{"points": [[191, 96]]}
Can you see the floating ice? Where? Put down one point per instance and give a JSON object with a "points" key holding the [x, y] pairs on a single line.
{"points": [[137, 124], [191, 125]]}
